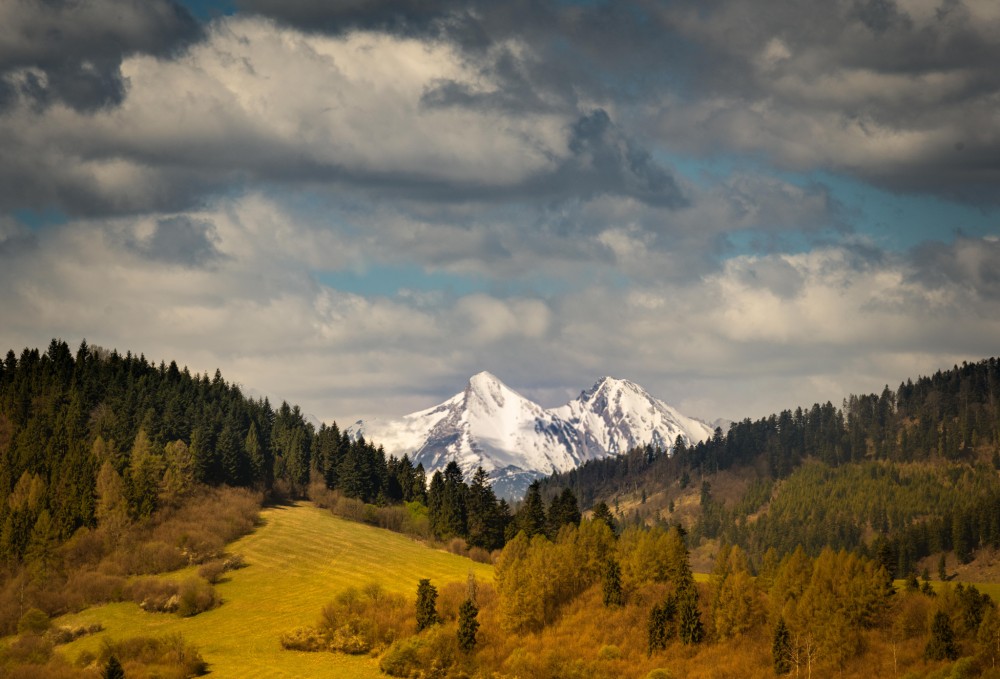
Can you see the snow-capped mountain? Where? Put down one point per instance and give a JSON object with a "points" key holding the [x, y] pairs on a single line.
{"points": [[515, 440]]}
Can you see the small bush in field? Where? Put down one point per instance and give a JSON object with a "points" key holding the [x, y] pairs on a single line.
{"points": [[480, 555], [659, 673], [432, 651], [33, 621], [304, 639], [212, 571], [356, 621], [171, 651], [154, 594], [195, 596], [234, 562], [610, 652]]}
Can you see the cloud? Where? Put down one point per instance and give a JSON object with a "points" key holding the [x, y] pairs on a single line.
{"points": [[179, 240], [757, 333], [71, 52]]}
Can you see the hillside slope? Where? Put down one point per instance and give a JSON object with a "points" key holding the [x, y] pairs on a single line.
{"points": [[298, 560]]}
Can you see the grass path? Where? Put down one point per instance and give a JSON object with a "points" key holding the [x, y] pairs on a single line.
{"points": [[298, 560]]}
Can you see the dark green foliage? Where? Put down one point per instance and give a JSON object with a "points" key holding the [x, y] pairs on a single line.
{"points": [[427, 614], [942, 643], [563, 511], [612, 584], [485, 522], [661, 624], [690, 629], [781, 648], [603, 513], [63, 416], [468, 625], [113, 669], [531, 515]]}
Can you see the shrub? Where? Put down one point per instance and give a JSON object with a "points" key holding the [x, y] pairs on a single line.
{"points": [[170, 651], [428, 654], [480, 555], [34, 622], [212, 571], [304, 639], [195, 596], [153, 594], [609, 652]]}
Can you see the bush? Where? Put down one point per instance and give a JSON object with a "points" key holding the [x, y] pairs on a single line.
{"points": [[34, 622], [361, 621], [170, 651], [609, 652], [195, 596], [212, 571], [480, 555], [153, 594], [427, 654], [304, 639]]}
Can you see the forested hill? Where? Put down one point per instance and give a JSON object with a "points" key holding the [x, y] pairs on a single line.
{"points": [[941, 431], [72, 426]]}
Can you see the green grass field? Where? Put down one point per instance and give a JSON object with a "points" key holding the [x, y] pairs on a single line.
{"points": [[298, 560]]}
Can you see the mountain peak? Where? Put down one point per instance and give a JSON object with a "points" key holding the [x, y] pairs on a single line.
{"points": [[516, 440]]}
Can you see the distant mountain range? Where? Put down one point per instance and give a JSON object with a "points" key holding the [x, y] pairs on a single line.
{"points": [[515, 440]]}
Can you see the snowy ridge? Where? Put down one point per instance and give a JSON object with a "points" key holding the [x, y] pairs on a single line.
{"points": [[515, 440]]}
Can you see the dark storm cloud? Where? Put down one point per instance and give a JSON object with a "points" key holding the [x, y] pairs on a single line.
{"points": [[927, 84], [179, 240], [71, 52], [971, 264], [604, 160]]}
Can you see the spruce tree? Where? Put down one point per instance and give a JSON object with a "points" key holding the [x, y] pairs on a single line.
{"points": [[659, 629], [942, 643], [427, 614], [612, 584], [468, 625], [113, 669], [690, 627], [781, 648], [531, 515]]}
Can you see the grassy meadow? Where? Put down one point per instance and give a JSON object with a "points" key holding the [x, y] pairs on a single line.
{"points": [[299, 558]]}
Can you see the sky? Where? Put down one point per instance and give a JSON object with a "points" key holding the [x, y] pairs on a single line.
{"points": [[356, 205]]}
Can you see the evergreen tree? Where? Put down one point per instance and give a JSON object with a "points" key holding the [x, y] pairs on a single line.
{"points": [[603, 513], [690, 628], [942, 643], [531, 515], [612, 584], [563, 511], [468, 625], [113, 669], [427, 614], [660, 625], [781, 648]]}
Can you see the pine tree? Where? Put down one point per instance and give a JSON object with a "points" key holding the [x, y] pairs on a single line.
{"points": [[942, 643], [427, 614], [603, 513], [781, 648], [612, 584], [113, 669], [531, 515], [659, 628], [468, 625], [690, 628]]}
